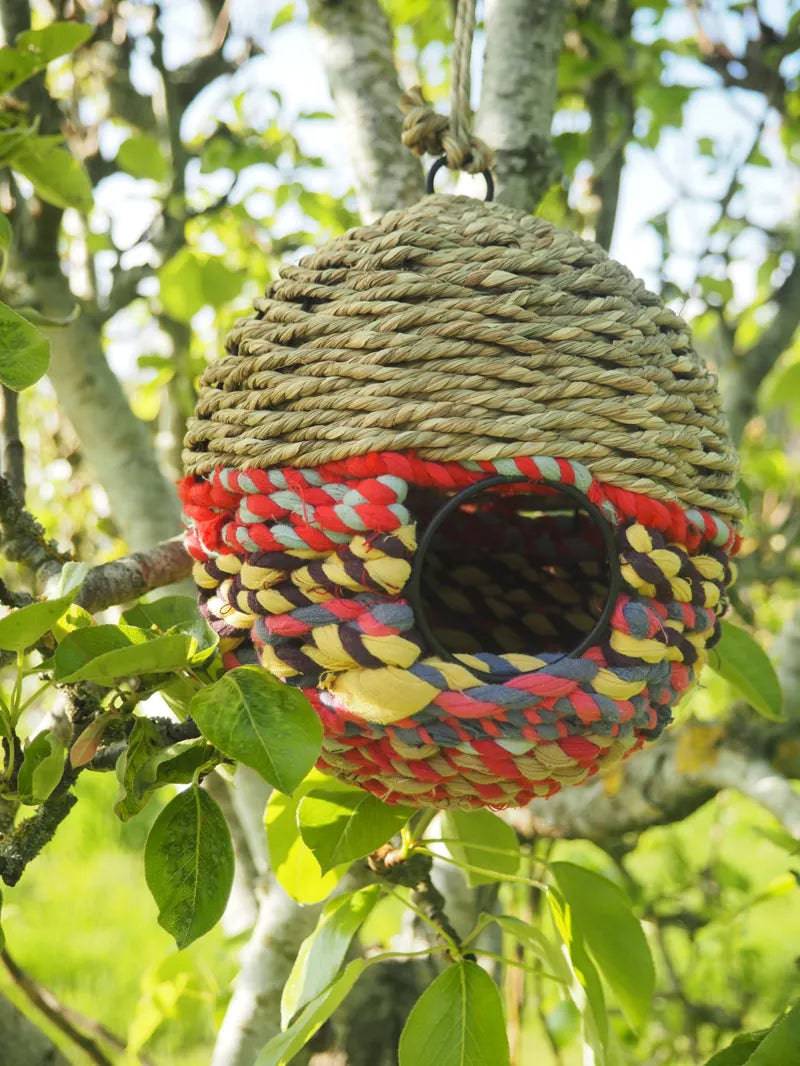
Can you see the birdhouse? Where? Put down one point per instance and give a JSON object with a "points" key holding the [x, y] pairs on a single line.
{"points": [[465, 482]]}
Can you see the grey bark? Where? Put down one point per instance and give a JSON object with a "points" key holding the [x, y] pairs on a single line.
{"points": [[253, 1014], [117, 445], [22, 1043], [518, 95], [654, 791], [355, 44], [657, 790]]}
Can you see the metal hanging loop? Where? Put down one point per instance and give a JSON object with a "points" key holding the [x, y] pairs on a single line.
{"points": [[442, 162]]}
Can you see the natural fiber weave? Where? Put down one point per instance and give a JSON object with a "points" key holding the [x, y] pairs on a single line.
{"points": [[466, 331], [449, 343]]}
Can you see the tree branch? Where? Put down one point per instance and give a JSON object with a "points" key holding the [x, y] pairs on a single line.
{"points": [[115, 442], [356, 48], [654, 791], [254, 1010], [13, 450], [132, 576], [22, 843], [749, 368], [23, 539], [117, 445], [23, 1043], [611, 107], [523, 42], [73, 1024]]}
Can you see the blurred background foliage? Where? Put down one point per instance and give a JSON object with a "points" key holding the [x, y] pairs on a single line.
{"points": [[212, 153]]}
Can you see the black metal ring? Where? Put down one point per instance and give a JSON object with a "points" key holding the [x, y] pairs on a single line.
{"points": [[414, 587], [442, 162]]}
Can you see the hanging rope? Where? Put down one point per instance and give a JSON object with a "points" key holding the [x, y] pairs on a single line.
{"points": [[427, 133]]}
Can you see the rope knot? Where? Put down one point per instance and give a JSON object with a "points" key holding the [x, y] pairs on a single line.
{"points": [[427, 133]]}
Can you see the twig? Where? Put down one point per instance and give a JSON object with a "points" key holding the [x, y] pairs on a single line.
{"points": [[170, 733], [24, 842], [24, 539], [414, 871], [134, 575], [13, 450], [71, 1022]]}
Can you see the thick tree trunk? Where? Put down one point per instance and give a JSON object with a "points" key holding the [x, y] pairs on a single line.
{"points": [[117, 445], [523, 42], [356, 48], [253, 1014]]}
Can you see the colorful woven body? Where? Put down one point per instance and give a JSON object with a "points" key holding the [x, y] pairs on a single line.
{"points": [[354, 405]]}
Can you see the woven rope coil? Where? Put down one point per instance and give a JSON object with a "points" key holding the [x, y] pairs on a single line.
{"points": [[464, 330], [404, 362]]}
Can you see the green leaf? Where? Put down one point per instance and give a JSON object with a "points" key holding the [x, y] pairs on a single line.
{"points": [[593, 1010], [42, 767], [536, 941], [780, 1046], [586, 989], [738, 1052], [291, 860], [745, 664], [136, 771], [322, 954], [147, 765], [55, 174], [253, 718], [52, 41], [106, 654], [479, 838], [192, 280], [188, 865], [15, 68], [602, 916], [83, 645], [34, 49], [182, 761], [283, 1047], [457, 1021], [283, 15], [24, 351], [175, 614], [22, 627], [6, 236], [141, 156], [340, 826], [781, 387], [71, 578]]}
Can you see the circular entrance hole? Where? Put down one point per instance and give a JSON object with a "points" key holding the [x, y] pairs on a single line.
{"points": [[510, 566]]}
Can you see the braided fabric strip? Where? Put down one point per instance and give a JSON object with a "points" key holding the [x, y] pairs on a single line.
{"points": [[462, 330], [303, 571]]}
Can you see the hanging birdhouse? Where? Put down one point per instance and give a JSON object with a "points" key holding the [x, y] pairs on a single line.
{"points": [[465, 482]]}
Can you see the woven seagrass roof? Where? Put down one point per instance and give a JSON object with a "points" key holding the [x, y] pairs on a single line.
{"points": [[467, 330]]}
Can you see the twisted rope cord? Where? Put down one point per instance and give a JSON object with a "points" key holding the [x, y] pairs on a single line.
{"points": [[427, 133], [416, 729], [253, 510]]}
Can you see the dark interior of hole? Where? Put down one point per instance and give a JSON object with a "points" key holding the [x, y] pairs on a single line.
{"points": [[511, 572]]}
